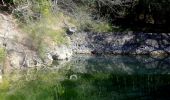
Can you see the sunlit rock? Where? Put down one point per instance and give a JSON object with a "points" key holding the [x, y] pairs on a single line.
{"points": [[62, 52], [48, 59], [16, 59], [158, 54]]}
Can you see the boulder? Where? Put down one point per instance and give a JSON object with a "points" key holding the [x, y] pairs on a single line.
{"points": [[48, 59], [160, 54], [62, 52], [15, 59]]}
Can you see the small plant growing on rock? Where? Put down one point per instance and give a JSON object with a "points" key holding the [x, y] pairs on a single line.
{"points": [[2, 54]]}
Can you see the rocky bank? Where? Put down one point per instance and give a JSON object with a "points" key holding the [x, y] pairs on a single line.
{"points": [[121, 43], [19, 53]]}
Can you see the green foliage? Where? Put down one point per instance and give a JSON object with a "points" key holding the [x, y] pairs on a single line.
{"points": [[42, 36], [8, 1], [155, 9], [153, 12], [58, 36], [41, 48], [95, 26], [102, 27], [31, 10], [43, 7], [80, 15], [2, 54], [31, 84], [42, 84]]}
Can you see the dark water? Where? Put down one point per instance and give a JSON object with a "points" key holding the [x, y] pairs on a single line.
{"points": [[91, 78]]}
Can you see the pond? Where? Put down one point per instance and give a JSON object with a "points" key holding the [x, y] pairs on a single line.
{"points": [[86, 77]]}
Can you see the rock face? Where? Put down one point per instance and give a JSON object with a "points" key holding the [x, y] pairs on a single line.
{"points": [[19, 47], [19, 54], [121, 43]]}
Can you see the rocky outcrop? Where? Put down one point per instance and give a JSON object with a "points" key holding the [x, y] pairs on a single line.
{"points": [[16, 45], [121, 43], [20, 47]]}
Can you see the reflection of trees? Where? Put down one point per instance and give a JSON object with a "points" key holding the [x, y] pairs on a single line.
{"points": [[99, 86]]}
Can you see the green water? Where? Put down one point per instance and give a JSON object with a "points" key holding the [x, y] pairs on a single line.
{"points": [[91, 78]]}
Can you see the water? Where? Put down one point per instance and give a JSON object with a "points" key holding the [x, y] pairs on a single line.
{"points": [[91, 78]]}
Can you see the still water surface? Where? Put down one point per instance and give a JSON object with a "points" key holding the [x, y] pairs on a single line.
{"points": [[91, 78]]}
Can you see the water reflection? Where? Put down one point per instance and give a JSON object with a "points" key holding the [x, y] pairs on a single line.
{"points": [[91, 78], [118, 64]]}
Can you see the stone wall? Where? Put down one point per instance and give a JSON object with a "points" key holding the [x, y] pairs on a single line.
{"points": [[121, 43]]}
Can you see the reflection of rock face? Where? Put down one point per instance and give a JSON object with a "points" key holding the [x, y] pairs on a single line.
{"points": [[118, 64]]}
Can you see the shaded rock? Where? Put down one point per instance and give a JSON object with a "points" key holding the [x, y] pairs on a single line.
{"points": [[152, 42], [167, 49], [37, 62], [120, 43]]}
